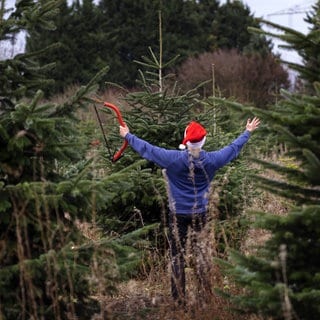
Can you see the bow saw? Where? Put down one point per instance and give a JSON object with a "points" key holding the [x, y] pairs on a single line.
{"points": [[118, 154]]}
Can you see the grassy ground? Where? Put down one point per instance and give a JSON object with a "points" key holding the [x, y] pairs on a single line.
{"points": [[148, 297]]}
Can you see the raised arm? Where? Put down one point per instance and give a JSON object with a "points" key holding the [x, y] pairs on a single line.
{"points": [[160, 156], [230, 152], [252, 124]]}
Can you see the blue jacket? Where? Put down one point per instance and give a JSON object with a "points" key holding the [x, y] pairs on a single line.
{"points": [[188, 178]]}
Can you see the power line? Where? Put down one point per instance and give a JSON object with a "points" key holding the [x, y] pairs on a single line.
{"points": [[296, 9]]}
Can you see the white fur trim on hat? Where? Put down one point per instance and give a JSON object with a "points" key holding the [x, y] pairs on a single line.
{"points": [[196, 145]]}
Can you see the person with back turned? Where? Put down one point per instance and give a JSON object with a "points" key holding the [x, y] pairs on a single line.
{"points": [[189, 174]]}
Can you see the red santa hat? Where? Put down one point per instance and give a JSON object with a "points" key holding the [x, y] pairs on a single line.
{"points": [[194, 136]]}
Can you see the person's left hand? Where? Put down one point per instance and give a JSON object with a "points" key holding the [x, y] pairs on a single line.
{"points": [[253, 125]]}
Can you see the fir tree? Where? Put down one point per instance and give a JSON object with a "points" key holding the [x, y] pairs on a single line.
{"points": [[79, 44], [41, 259], [234, 15], [281, 279], [48, 192], [92, 36]]}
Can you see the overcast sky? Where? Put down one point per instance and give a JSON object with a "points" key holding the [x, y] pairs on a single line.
{"points": [[289, 13]]}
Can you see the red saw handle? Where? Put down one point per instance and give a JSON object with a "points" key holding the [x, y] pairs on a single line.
{"points": [[119, 153]]}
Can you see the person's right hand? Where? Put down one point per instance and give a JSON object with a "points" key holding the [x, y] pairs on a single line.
{"points": [[123, 131], [252, 125]]}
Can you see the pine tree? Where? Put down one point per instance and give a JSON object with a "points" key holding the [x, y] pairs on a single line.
{"points": [[281, 279], [49, 191], [234, 15], [41, 256], [92, 36], [79, 44]]}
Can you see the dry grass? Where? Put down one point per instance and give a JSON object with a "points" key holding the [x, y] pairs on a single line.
{"points": [[149, 297], [267, 202]]}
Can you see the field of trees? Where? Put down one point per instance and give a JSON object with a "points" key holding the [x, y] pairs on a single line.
{"points": [[82, 237]]}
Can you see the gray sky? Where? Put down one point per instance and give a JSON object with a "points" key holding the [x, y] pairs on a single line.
{"points": [[289, 13]]}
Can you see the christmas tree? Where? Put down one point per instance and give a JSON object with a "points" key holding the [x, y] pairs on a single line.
{"points": [[281, 279], [49, 193]]}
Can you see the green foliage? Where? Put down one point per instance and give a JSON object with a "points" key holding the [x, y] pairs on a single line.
{"points": [[130, 195], [39, 201], [232, 187], [56, 276], [159, 114], [22, 76], [234, 15], [278, 272], [78, 45], [49, 193], [130, 250], [92, 36], [281, 278], [232, 183]]}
